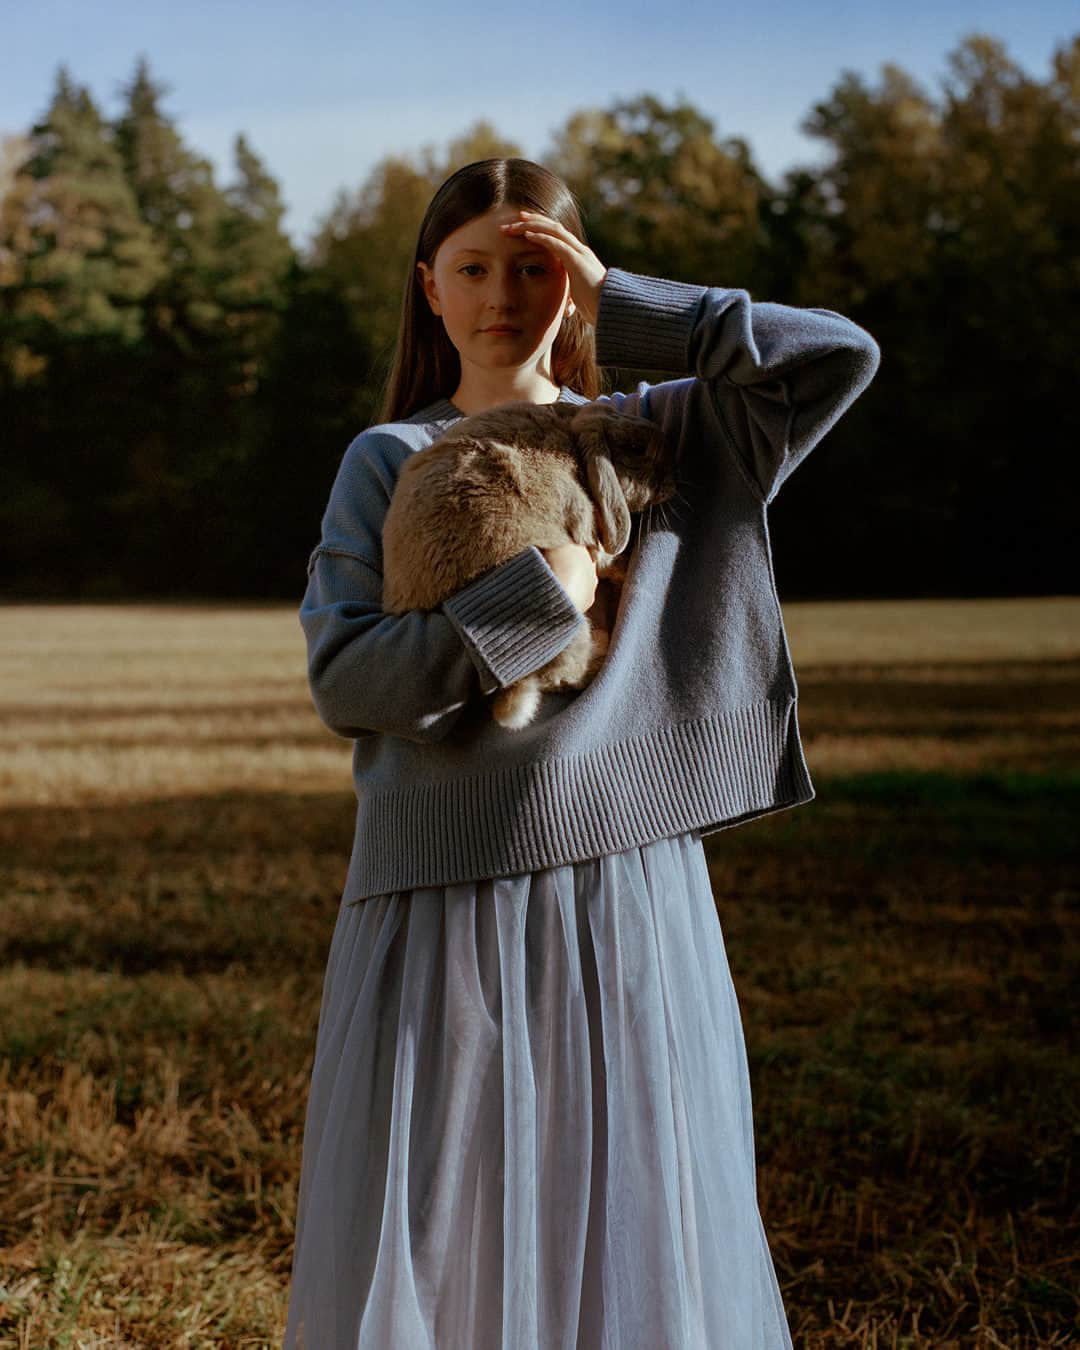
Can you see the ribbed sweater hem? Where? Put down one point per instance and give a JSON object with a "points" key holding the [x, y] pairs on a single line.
{"points": [[702, 775]]}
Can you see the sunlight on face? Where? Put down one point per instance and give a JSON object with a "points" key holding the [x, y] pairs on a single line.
{"points": [[500, 298]]}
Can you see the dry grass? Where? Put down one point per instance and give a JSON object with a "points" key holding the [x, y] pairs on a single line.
{"points": [[175, 837]]}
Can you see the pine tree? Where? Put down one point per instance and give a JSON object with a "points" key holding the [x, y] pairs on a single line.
{"points": [[191, 432], [184, 209], [77, 260], [255, 259]]}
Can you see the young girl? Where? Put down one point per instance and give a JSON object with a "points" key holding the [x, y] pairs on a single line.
{"points": [[529, 1125]]}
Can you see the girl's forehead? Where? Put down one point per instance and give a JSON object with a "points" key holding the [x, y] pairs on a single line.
{"points": [[481, 230]]}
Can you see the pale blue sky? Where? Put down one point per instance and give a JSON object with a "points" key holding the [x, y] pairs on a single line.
{"points": [[324, 88]]}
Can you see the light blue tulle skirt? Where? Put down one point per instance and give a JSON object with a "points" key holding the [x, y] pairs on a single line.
{"points": [[529, 1125]]}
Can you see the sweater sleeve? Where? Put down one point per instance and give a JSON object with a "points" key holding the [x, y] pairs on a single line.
{"points": [[413, 674], [768, 379]]}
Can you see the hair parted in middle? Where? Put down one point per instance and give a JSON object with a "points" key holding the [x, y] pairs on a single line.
{"points": [[426, 364]]}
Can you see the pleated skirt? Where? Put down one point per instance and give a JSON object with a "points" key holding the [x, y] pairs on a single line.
{"points": [[529, 1124]]}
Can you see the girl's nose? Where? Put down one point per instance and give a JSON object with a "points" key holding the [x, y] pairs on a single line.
{"points": [[503, 291]]}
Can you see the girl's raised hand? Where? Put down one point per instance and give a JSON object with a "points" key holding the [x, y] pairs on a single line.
{"points": [[584, 268]]}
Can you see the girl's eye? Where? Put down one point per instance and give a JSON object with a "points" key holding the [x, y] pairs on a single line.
{"points": [[530, 269]]}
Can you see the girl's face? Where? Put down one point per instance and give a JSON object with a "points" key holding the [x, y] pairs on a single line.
{"points": [[501, 299]]}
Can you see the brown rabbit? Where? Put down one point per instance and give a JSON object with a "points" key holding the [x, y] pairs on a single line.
{"points": [[511, 476]]}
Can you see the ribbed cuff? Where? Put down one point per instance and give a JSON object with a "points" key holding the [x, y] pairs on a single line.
{"points": [[514, 619], [646, 323]]}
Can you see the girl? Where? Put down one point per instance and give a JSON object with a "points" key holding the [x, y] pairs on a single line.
{"points": [[529, 1123]]}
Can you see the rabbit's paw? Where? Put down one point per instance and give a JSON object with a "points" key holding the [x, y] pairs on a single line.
{"points": [[516, 706], [601, 640], [614, 571]]}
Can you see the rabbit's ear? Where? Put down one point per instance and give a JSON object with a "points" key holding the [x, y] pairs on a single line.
{"points": [[609, 497], [599, 424]]}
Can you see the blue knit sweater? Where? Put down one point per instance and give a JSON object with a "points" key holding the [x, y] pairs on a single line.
{"points": [[691, 724]]}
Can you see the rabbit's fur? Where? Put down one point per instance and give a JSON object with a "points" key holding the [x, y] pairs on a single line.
{"points": [[514, 475]]}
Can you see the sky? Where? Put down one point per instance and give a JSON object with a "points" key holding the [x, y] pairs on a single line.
{"points": [[324, 89]]}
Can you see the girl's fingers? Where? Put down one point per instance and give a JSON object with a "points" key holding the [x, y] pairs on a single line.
{"points": [[525, 230], [586, 270], [563, 246], [531, 227], [542, 225], [557, 244]]}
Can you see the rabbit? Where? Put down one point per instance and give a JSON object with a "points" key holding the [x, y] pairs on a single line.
{"points": [[513, 475]]}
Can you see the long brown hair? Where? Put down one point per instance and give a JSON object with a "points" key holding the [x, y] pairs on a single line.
{"points": [[426, 363]]}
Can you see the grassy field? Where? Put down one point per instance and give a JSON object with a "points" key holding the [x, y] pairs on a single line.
{"points": [[175, 835]]}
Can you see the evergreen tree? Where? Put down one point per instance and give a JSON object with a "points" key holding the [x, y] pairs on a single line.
{"points": [[309, 405], [13, 149], [255, 256], [184, 209], [208, 323], [77, 258], [76, 262]]}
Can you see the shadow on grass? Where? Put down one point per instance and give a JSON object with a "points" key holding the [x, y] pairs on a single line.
{"points": [[905, 950]]}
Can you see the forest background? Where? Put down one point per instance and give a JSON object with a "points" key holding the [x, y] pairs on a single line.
{"points": [[178, 381]]}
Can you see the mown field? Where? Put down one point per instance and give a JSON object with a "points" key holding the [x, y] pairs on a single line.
{"points": [[174, 837]]}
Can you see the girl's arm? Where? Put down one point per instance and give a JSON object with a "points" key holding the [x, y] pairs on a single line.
{"points": [[770, 379], [412, 674]]}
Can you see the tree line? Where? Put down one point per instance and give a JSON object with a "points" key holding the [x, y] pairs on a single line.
{"points": [[178, 381]]}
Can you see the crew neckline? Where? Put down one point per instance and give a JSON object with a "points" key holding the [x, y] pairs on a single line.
{"points": [[443, 410]]}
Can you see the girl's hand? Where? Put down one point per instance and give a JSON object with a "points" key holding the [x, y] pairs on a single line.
{"points": [[585, 269], [575, 568]]}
